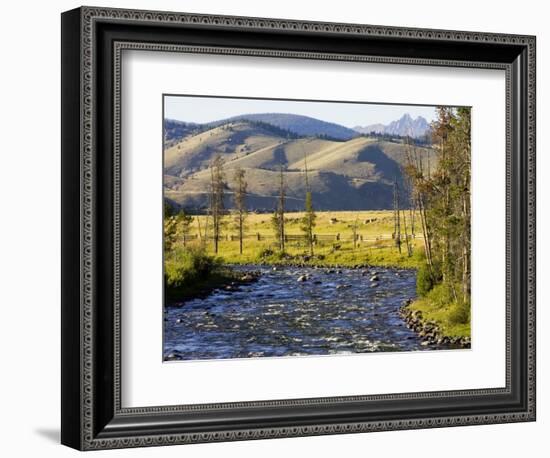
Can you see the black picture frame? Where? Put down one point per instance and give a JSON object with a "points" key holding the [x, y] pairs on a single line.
{"points": [[92, 416]]}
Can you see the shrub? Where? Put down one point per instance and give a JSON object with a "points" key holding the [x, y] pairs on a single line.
{"points": [[187, 265], [266, 253], [459, 313]]}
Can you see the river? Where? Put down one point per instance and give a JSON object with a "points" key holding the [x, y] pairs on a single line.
{"points": [[334, 311]]}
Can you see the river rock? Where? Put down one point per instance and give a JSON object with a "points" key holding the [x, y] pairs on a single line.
{"points": [[374, 278], [172, 357], [343, 286], [302, 278]]}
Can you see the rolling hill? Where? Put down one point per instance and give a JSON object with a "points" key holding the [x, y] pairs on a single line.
{"points": [[353, 174]]}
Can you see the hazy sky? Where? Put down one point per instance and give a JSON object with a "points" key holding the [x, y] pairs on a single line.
{"points": [[207, 109]]}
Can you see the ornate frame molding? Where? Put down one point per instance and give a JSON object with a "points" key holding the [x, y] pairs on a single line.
{"points": [[89, 434]]}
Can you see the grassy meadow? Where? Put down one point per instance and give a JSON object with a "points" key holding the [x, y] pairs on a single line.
{"points": [[334, 245]]}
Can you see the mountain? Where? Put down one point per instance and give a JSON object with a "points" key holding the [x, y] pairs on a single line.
{"points": [[406, 126], [356, 174]]}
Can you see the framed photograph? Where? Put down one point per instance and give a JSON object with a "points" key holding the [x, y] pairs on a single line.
{"points": [[277, 228]]}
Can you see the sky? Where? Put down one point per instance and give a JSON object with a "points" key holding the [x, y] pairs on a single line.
{"points": [[206, 109]]}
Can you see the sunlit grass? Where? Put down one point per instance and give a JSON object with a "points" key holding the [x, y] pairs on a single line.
{"points": [[375, 247]]}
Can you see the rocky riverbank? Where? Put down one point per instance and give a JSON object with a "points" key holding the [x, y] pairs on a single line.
{"points": [[335, 261], [428, 330]]}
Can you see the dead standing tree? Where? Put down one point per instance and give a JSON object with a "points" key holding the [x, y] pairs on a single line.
{"points": [[308, 221], [415, 169], [354, 229], [278, 219], [240, 204], [396, 216], [217, 209]]}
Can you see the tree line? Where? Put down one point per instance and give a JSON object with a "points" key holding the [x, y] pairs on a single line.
{"points": [[442, 194]]}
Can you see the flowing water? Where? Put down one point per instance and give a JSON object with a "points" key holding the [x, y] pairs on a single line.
{"points": [[334, 311]]}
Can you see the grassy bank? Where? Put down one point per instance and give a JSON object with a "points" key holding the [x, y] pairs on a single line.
{"points": [[219, 279], [191, 273], [451, 317], [353, 258]]}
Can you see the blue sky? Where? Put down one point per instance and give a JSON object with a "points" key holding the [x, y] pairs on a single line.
{"points": [[207, 109]]}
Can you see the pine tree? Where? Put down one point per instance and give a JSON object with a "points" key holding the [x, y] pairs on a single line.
{"points": [[176, 227]]}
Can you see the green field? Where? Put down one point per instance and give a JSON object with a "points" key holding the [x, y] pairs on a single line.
{"points": [[334, 246]]}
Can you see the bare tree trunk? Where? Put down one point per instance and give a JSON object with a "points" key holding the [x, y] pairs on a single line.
{"points": [[427, 236], [281, 210], [407, 241], [216, 201], [240, 203], [397, 216], [466, 249], [199, 223], [240, 236]]}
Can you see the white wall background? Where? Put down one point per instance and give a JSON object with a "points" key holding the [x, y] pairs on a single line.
{"points": [[30, 241]]}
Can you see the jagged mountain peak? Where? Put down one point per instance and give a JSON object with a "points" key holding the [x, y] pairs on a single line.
{"points": [[406, 126]]}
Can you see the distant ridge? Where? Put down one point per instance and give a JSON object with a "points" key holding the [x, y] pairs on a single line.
{"points": [[303, 126]]}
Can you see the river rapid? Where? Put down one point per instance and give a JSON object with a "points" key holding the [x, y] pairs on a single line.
{"points": [[296, 311]]}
